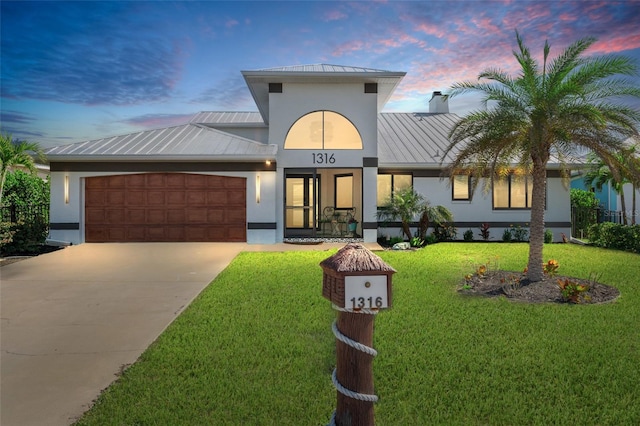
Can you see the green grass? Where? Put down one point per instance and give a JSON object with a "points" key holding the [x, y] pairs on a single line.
{"points": [[256, 348]]}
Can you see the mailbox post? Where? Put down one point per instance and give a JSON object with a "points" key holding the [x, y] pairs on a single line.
{"points": [[358, 283]]}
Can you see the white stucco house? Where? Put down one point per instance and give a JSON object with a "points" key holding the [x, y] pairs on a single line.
{"points": [[318, 145]]}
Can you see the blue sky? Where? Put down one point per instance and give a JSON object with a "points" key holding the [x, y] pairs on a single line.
{"points": [[78, 70]]}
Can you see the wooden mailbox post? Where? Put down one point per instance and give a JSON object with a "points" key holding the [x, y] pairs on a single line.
{"points": [[358, 283]]}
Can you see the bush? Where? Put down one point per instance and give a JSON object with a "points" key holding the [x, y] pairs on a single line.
{"points": [[23, 237], [468, 235], [520, 234], [548, 236], [615, 236], [445, 232]]}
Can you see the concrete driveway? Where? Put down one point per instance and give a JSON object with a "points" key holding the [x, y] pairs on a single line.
{"points": [[70, 320]]}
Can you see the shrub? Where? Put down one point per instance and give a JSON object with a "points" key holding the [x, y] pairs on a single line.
{"points": [[24, 237], [431, 239], [394, 240], [416, 242], [615, 236], [484, 231], [506, 235], [520, 234], [445, 232], [468, 235], [548, 236], [572, 292]]}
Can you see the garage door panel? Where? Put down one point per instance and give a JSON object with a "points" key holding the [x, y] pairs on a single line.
{"points": [[175, 198], [135, 217], [133, 181], [196, 198], [115, 197], [175, 180], [114, 216], [155, 198], [165, 207]]}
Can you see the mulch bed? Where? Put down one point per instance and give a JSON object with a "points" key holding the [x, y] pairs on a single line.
{"points": [[515, 286]]}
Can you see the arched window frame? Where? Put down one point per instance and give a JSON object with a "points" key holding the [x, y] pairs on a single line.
{"points": [[306, 143]]}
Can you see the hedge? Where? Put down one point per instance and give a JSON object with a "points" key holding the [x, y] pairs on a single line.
{"points": [[615, 236]]}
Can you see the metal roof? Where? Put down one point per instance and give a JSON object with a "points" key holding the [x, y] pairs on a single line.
{"points": [[229, 118], [185, 142], [323, 68], [413, 139]]}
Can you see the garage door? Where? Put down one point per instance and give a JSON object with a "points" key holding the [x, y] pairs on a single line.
{"points": [[165, 207]]}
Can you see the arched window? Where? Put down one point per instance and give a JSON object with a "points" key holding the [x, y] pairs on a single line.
{"points": [[323, 130]]}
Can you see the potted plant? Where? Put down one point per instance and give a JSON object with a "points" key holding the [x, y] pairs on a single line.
{"points": [[352, 225]]}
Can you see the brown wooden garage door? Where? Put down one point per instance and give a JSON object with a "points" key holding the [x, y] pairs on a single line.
{"points": [[165, 207]]}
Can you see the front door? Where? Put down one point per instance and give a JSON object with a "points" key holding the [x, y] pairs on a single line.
{"points": [[301, 204]]}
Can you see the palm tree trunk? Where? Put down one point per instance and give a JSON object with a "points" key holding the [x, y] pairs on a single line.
{"points": [[536, 236], [633, 204], [624, 206]]}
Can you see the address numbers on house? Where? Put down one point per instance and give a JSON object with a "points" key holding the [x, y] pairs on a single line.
{"points": [[323, 158]]}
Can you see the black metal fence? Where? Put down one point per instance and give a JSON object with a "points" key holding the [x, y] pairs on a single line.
{"points": [[28, 213], [582, 218]]}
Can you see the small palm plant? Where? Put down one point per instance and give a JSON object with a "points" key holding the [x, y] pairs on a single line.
{"points": [[406, 204]]}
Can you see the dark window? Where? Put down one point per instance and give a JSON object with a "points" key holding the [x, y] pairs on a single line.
{"points": [[275, 87], [371, 88]]}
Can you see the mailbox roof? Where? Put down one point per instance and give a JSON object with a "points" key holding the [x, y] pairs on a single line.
{"points": [[355, 258]]}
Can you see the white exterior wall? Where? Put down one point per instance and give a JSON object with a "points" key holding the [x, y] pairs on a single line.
{"points": [[349, 100], [480, 209], [628, 199], [73, 212]]}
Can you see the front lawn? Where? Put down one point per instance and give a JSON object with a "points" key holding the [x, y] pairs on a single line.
{"points": [[256, 348]]}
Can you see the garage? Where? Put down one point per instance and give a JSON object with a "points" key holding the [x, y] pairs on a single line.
{"points": [[165, 207]]}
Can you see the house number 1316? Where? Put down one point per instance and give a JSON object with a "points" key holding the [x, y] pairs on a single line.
{"points": [[323, 158]]}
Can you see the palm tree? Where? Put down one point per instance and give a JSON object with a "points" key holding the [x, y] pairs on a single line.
{"points": [[600, 175], [16, 153], [404, 205], [428, 214], [569, 102]]}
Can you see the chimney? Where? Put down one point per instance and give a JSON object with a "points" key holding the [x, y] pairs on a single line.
{"points": [[438, 104]]}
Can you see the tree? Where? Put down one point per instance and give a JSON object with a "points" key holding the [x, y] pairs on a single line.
{"points": [[432, 214], [406, 204], [600, 175], [571, 102], [16, 153]]}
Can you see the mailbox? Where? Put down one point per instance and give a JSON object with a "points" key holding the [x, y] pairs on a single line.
{"points": [[355, 279]]}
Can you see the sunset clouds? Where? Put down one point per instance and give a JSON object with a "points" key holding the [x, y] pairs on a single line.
{"points": [[118, 67]]}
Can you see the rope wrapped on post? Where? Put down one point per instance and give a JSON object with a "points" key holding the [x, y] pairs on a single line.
{"points": [[358, 346]]}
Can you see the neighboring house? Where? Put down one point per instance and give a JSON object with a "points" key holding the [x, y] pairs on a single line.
{"points": [[318, 140]]}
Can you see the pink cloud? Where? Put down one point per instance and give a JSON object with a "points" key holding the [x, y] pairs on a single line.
{"points": [[231, 23], [566, 17], [348, 47], [619, 43], [334, 15]]}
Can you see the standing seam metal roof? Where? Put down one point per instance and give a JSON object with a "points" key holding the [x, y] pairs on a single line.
{"points": [[188, 140]]}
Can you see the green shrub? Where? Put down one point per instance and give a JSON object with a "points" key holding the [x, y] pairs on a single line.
{"points": [[520, 234], [445, 232], [23, 237], [615, 236], [468, 235], [548, 236], [506, 235]]}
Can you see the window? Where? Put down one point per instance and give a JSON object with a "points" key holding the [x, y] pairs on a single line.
{"points": [[512, 192], [344, 192], [388, 184], [323, 130], [461, 187]]}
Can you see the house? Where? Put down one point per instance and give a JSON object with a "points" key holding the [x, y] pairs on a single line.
{"points": [[317, 152]]}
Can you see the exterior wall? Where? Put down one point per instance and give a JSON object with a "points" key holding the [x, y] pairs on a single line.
{"points": [[628, 198], [360, 108], [72, 213], [471, 214]]}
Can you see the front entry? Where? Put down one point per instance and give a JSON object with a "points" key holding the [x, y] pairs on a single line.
{"points": [[302, 191]]}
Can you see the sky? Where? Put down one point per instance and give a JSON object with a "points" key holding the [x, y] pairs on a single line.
{"points": [[83, 70]]}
